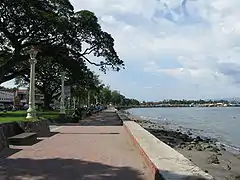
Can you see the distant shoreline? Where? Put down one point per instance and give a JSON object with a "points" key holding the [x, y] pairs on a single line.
{"points": [[177, 106]]}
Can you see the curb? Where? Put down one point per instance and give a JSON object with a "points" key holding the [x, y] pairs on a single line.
{"points": [[154, 170], [164, 162]]}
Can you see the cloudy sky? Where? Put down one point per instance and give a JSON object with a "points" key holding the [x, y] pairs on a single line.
{"points": [[172, 48]]}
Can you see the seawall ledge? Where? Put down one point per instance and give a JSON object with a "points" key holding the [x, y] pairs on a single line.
{"points": [[165, 162]]}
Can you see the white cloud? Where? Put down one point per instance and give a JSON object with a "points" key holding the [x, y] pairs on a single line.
{"points": [[200, 41]]}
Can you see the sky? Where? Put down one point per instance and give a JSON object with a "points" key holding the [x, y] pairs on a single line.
{"points": [[172, 49]]}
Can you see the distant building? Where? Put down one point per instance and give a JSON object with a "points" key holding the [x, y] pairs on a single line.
{"points": [[6, 97], [21, 98]]}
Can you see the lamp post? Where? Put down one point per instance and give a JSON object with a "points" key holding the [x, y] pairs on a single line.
{"points": [[31, 112], [69, 103], [96, 98], [62, 106], [88, 98], [74, 97]]}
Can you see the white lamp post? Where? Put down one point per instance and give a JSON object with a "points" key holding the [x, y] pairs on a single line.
{"points": [[88, 98], [74, 97], [74, 102], [62, 106], [96, 98], [31, 112]]}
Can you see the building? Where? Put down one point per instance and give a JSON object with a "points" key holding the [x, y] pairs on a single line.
{"points": [[21, 98], [6, 97]]}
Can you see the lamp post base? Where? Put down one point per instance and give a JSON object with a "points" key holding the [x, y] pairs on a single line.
{"points": [[31, 113]]}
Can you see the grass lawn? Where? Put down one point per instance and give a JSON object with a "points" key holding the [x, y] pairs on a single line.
{"points": [[21, 115]]}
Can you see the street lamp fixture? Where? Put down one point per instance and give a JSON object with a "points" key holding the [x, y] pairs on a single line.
{"points": [[33, 53], [31, 112]]}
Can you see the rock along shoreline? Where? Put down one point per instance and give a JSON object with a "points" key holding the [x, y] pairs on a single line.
{"points": [[206, 153]]}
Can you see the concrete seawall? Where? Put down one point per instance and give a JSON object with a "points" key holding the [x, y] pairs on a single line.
{"points": [[164, 162]]}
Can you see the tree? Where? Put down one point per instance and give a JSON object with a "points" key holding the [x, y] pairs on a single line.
{"points": [[92, 85], [56, 30], [116, 97], [100, 43], [23, 24], [134, 102], [106, 95]]}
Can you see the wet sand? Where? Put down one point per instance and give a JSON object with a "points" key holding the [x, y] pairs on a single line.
{"points": [[205, 153]]}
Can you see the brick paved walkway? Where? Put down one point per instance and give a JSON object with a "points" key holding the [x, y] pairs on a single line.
{"points": [[90, 151]]}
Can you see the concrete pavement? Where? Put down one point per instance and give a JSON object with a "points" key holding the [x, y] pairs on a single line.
{"points": [[100, 149]]}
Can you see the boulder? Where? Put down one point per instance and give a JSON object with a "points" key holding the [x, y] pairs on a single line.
{"points": [[213, 159], [198, 139], [228, 167], [185, 137], [222, 147], [198, 147], [206, 146], [214, 149], [237, 177]]}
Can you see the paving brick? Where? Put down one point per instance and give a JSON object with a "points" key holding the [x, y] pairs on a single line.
{"points": [[90, 151]]}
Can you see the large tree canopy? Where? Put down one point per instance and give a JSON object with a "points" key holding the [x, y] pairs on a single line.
{"points": [[66, 36]]}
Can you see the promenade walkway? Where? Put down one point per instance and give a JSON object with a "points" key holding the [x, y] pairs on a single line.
{"points": [[99, 148]]}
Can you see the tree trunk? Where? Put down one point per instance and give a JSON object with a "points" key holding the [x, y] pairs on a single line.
{"points": [[47, 101]]}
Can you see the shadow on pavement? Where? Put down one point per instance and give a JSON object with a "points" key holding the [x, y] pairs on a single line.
{"points": [[99, 119], [89, 133], [102, 119], [50, 134], [171, 175], [29, 143], [63, 169], [8, 152]]}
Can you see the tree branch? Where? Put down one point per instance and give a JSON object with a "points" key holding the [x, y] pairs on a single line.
{"points": [[55, 89], [91, 49], [12, 76], [56, 95], [93, 63], [7, 66]]}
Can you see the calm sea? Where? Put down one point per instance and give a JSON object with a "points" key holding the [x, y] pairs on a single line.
{"points": [[222, 123]]}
